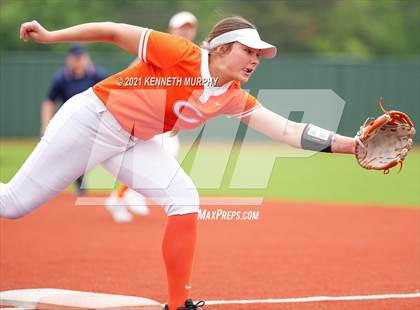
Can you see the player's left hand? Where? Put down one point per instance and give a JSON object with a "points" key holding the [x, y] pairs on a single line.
{"points": [[384, 142]]}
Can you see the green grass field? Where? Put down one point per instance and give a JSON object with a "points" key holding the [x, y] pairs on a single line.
{"points": [[321, 177]]}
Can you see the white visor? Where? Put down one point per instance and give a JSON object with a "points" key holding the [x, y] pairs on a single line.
{"points": [[248, 37]]}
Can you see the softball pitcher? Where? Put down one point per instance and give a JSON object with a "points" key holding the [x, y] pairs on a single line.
{"points": [[177, 86]]}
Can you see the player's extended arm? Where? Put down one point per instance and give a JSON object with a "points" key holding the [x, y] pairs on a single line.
{"points": [[47, 112], [291, 133], [125, 36]]}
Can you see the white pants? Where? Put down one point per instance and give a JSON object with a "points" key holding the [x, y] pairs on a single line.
{"points": [[169, 142], [82, 134]]}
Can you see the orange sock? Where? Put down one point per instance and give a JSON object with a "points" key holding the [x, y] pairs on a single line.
{"points": [[178, 251], [123, 188]]}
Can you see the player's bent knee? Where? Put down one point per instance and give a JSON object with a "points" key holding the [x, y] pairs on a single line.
{"points": [[9, 209], [187, 202], [12, 214], [14, 206]]}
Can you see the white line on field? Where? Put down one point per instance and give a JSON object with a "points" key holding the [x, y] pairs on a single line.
{"points": [[313, 299]]}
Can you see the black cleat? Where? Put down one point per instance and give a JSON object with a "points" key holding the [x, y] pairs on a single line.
{"points": [[189, 305]]}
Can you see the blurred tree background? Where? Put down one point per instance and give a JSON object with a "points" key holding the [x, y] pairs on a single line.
{"points": [[357, 28]]}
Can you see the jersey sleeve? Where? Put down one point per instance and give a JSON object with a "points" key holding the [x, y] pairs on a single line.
{"points": [[56, 89], [162, 49], [242, 104]]}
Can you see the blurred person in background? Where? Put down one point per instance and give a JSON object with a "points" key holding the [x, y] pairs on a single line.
{"points": [[120, 202], [77, 76], [183, 24]]}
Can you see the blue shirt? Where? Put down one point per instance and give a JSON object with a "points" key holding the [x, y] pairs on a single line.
{"points": [[64, 85]]}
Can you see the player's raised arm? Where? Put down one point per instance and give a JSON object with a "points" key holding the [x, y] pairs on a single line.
{"points": [[125, 36], [299, 135]]}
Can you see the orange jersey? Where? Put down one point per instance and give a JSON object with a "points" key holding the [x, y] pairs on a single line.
{"points": [[170, 89]]}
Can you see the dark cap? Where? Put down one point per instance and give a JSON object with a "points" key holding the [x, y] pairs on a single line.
{"points": [[77, 49]]}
